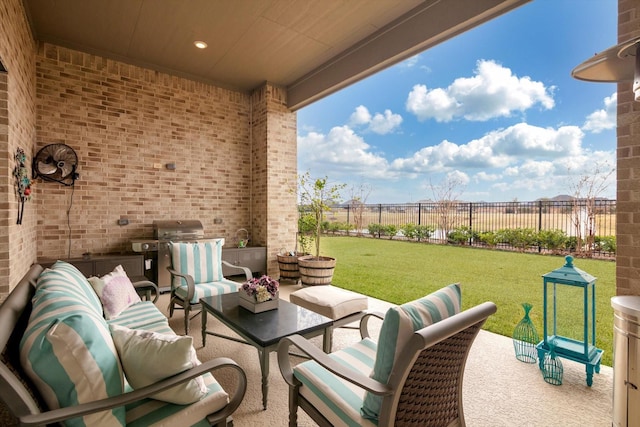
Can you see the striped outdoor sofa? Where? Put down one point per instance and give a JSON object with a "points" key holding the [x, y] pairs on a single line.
{"points": [[62, 361]]}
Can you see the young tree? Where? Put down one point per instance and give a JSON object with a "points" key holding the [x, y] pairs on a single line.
{"points": [[446, 195], [358, 199], [586, 191], [317, 196]]}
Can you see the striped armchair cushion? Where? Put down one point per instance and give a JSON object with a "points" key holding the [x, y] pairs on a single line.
{"points": [[397, 328], [337, 399], [224, 286], [202, 261]]}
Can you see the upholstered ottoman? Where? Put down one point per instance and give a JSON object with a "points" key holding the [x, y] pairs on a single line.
{"points": [[342, 306]]}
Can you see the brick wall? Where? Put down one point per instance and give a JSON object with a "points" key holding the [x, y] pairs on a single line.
{"points": [[125, 124], [274, 160], [628, 166], [17, 130]]}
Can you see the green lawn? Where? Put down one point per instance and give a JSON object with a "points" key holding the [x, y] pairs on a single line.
{"points": [[398, 271]]}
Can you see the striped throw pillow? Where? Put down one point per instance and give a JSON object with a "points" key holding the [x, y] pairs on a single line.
{"points": [[68, 280], [68, 353], [202, 261], [398, 326]]}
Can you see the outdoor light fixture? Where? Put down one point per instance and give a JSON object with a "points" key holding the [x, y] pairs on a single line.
{"points": [[619, 63], [200, 44]]}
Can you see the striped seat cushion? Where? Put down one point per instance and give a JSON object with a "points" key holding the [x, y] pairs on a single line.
{"points": [[152, 412], [338, 400], [398, 326], [202, 261], [68, 353], [223, 286], [143, 315]]}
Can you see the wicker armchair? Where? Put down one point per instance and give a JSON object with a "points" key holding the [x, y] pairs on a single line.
{"points": [[424, 387]]}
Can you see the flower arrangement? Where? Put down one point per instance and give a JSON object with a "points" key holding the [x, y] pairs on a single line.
{"points": [[263, 288]]}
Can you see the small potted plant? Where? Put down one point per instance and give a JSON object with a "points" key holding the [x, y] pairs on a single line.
{"points": [[259, 294], [316, 198]]}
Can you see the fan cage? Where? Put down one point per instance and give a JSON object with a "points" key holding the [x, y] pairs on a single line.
{"points": [[58, 156]]}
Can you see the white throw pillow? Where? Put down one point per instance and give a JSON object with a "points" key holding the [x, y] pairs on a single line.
{"points": [[148, 357], [116, 292]]}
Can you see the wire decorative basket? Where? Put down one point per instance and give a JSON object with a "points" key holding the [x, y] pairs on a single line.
{"points": [[552, 369], [242, 237], [525, 337]]}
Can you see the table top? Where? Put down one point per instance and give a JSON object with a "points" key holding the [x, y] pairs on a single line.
{"points": [[268, 327]]}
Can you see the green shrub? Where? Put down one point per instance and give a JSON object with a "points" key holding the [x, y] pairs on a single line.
{"points": [[553, 240], [606, 243], [519, 238], [409, 231], [375, 229], [460, 235], [571, 244], [489, 238], [389, 230], [417, 232]]}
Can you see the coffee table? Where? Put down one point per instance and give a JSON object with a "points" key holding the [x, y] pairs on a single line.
{"points": [[262, 330]]}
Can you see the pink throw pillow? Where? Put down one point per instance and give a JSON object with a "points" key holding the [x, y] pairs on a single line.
{"points": [[116, 292]]}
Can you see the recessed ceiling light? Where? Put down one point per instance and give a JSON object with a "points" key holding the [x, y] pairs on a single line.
{"points": [[200, 44]]}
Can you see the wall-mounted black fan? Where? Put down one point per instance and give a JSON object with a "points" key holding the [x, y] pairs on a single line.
{"points": [[56, 162]]}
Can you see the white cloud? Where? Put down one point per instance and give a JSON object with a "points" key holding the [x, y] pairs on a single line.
{"points": [[458, 176], [360, 116], [493, 92], [518, 161], [410, 62], [380, 123], [484, 176], [342, 149], [497, 149], [605, 118]]}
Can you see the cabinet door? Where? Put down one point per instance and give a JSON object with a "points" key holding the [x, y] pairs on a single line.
{"points": [[132, 265], [85, 267], [254, 258]]}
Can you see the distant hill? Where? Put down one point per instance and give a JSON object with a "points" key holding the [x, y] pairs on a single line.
{"points": [[559, 198]]}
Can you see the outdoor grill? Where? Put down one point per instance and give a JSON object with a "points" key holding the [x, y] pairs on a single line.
{"points": [[157, 250]]}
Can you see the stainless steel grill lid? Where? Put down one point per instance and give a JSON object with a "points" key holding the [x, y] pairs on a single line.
{"points": [[178, 229]]}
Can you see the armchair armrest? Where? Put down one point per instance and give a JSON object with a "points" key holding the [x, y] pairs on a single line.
{"points": [[191, 287], [323, 359], [146, 286], [61, 414], [247, 272], [364, 322]]}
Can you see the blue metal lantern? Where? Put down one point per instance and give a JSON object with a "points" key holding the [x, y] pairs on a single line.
{"points": [[570, 317]]}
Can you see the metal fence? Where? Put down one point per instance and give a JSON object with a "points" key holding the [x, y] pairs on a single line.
{"points": [[583, 221]]}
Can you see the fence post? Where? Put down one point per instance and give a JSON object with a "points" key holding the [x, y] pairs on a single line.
{"points": [[419, 213], [470, 223], [539, 223], [379, 218]]}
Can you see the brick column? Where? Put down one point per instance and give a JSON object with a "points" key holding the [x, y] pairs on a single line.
{"points": [[273, 173], [628, 166]]}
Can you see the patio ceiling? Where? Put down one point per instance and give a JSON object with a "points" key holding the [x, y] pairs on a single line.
{"points": [[312, 48]]}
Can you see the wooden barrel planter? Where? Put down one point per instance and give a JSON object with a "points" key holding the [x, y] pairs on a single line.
{"points": [[316, 270], [288, 265]]}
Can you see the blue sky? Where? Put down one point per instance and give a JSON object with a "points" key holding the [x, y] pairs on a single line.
{"points": [[494, 112]]}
